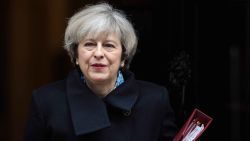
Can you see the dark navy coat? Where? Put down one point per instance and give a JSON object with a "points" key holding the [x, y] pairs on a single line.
{"points": [[69, 111]]}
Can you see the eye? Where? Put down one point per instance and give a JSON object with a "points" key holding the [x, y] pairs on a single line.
{"points": [[89, 44], [109, 45]]}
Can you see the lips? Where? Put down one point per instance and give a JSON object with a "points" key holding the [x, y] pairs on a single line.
{"points": [[98, 65]]}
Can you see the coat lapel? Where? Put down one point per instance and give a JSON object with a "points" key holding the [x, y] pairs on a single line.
{"points": [[124, 96], [88, 112]]}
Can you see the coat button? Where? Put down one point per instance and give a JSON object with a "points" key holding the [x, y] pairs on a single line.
{"points": [[127, 113]]}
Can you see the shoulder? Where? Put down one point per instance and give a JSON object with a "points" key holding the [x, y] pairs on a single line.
{"points": [[150, 86], [50, 91], [143, 85], [51, 87], [49, 97], [154, 96], [152, 92]]}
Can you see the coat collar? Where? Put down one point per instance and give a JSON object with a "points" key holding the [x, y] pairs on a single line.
{"points": [[88, 112], [125, 95]]}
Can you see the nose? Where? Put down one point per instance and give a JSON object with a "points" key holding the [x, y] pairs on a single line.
{"points": [[99, 54]]}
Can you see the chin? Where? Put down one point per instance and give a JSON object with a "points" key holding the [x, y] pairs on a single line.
{"points": [[99, 78]]}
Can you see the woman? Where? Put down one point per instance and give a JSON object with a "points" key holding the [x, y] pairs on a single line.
{"points": [[100, 100]]}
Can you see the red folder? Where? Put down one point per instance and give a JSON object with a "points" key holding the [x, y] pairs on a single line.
{"points": [[196, 119]]}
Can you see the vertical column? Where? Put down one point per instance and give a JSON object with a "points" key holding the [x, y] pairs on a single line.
{"points": [[235, 92], [18, 75], [35, 34]]}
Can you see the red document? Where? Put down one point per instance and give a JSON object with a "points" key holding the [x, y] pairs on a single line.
{"points": [[196, 124]]}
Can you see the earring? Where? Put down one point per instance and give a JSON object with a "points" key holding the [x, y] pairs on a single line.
{"points": [[77, 63], [122, 64]]}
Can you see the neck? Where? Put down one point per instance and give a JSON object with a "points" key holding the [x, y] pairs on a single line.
{"points": [[102, 89]]}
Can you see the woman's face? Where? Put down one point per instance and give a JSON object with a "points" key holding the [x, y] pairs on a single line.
{"points": [[100, 58]]}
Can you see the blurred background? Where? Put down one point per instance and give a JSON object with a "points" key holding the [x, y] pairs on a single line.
{"points": [[199, 50]]}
